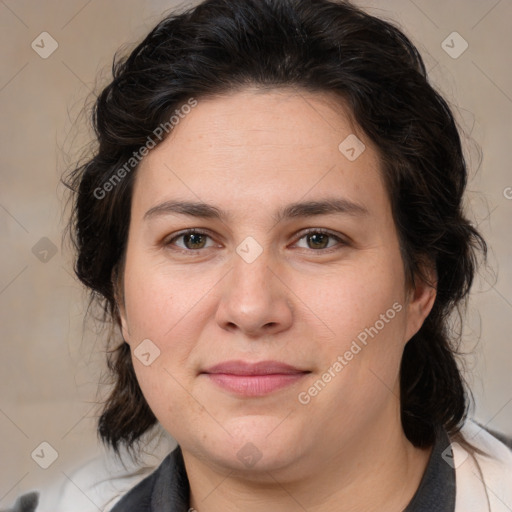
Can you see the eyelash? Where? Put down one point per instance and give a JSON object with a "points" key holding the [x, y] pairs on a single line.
{"points": [[309, 231]]}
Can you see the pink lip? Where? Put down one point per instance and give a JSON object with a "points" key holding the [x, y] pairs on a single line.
{"points": [[253, 379]]}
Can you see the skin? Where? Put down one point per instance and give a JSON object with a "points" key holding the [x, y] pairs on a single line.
{"points": [[249, 154]]}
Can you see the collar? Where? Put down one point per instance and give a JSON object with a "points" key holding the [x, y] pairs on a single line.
{"points": [[171, 490], [436, 492]]}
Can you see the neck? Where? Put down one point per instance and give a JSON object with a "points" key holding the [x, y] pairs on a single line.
{"points": [[377, 470]]}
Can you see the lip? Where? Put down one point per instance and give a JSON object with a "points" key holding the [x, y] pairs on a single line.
{"points": [[246, 368], [253, 379]]}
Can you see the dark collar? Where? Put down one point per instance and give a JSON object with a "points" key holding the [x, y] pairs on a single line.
{"points": [[172, 490], [165, 490], [436, 492]]}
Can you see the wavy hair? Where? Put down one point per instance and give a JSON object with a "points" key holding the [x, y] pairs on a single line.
{"points": [[324, 46]]}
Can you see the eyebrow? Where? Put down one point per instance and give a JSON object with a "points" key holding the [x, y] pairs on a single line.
{"points": [[293, 210]]}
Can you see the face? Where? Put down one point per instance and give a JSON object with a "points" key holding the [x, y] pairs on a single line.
{"points": [[274, 331]]}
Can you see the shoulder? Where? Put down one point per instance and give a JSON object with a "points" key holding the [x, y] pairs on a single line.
{"points": [[100, 483], [483, 469], [165, 489], [138, 499]]}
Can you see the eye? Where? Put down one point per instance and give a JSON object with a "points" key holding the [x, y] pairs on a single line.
{"points": [[318, 239], [192, 240]]}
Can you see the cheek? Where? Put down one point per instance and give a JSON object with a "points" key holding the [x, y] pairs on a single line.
{"points": [[173, 405], [159, 301], [365, 310], [357, 296]]}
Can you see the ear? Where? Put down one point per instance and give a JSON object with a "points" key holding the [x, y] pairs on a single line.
{"points": [[124, 323], [420, 300], [117, 284]]}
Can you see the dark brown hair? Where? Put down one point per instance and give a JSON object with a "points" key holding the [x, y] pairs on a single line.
{"points": [[221, 46]]}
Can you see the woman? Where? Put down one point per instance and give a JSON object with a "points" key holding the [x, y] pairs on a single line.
{"points": [[273, 219]]}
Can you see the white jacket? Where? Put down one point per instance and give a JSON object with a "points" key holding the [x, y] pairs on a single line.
{"points": [[483, 482]]}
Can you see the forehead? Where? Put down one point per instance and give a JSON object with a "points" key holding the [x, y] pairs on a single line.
{"points": [[266, 119], [271, 146]]}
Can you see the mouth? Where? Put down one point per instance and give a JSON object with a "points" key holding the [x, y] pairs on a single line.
{"points": [[253, 379]]}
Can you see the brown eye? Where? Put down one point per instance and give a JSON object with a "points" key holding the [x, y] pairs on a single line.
{"points": [[317, 240], [189, 241], [194, 240]]}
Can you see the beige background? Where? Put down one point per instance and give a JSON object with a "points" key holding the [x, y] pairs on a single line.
{"points": [[50, 361]]}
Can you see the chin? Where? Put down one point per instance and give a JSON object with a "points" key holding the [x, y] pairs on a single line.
{"points": [[257, 444]]}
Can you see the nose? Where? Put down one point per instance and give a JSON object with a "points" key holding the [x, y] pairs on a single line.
{"points": [[254, 300]]}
